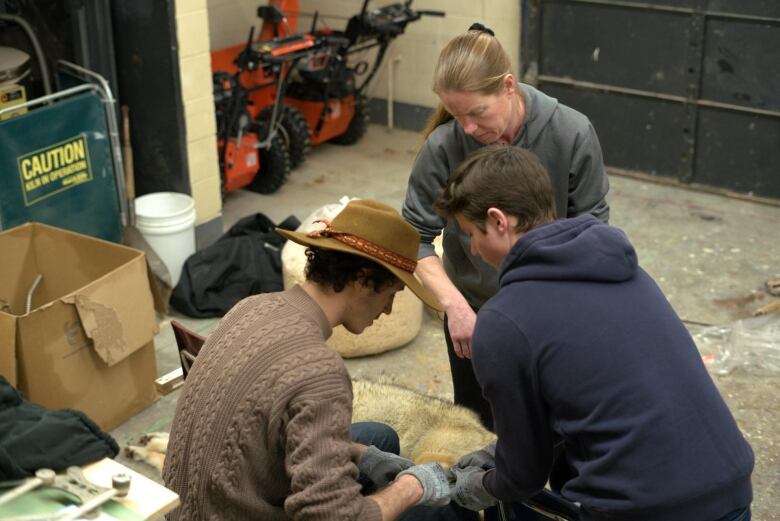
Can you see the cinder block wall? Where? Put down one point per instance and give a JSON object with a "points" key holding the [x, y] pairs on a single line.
{"points": [[416, 50], [230, 20], [192, 28]]}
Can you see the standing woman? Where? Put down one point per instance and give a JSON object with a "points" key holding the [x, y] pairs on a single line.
{"points": [[481, 103]]}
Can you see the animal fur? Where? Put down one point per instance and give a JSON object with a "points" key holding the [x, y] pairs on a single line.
{"points": [[430, 429], [772, 307], [151, 449], [773, 288]]}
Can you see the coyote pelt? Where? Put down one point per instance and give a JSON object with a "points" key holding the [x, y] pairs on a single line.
{"points": [[430, 429], [151, 449]]}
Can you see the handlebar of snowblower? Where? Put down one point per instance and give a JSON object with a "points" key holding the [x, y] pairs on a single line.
{"points": [[431, 12], [377, 28], [383, 23]]}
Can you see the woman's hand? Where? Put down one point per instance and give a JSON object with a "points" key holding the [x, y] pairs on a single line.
{"points": [[460, 317], [460, 321]]}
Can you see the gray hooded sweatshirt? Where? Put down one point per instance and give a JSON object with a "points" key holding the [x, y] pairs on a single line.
{"points": [[567, 146]]}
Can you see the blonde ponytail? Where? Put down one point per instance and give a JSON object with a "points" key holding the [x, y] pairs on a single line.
{"points": [[473, 61], [440, 116]]}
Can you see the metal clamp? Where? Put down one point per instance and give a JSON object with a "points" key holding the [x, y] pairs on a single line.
{"points": [[89, 495]]}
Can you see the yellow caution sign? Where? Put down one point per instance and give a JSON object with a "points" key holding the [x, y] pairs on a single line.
{"points": [[51, 170], [10, 96]]}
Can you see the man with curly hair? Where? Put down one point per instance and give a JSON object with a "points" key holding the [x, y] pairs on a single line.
{"points": [[263, 425]]}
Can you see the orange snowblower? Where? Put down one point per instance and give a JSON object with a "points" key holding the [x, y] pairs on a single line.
{"points": [[300, 89], [252, 144], [332, 97]]}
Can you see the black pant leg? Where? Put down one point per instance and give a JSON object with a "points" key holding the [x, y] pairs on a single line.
{"points": [[464, 384]]}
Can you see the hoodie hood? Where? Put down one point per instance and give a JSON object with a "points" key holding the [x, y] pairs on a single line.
{"points": [[578, 249]]}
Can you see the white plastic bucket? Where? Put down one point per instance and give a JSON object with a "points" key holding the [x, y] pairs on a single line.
{"points": [[167, 222]]}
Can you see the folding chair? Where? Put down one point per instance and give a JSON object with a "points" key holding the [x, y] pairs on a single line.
{"points": [[544, 505], [189, 343]]}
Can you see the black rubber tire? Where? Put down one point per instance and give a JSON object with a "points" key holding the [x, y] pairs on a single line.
{"points": [[274, 167], [294, 128], [298, 134], [358, 126]]}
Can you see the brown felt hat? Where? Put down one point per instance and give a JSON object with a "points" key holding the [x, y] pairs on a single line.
{"points": [[375, 231]]}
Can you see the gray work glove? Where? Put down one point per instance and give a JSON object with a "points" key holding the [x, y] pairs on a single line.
{"points": [[484, 458], [381, 467], [469, 491], [435, 482]]}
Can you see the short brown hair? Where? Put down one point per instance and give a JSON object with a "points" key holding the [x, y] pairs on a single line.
{"points": [[509, 178]]}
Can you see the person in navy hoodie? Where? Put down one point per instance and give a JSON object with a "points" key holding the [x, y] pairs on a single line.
{"points": [[594, 382]]}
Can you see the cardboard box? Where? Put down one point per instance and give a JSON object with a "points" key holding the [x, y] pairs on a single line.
{"points": [[87, 341]]}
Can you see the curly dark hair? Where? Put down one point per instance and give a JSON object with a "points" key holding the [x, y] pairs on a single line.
{"points": [[336, 269]]}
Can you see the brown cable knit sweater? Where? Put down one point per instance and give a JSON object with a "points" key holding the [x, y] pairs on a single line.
{"points": [[261, 430]]}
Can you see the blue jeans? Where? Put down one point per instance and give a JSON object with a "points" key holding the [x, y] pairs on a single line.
{"points": [[381, 436], [384, 438]]}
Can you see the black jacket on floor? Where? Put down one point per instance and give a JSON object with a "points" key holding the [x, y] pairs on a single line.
{"points": [[33, 437], [245, 261]]}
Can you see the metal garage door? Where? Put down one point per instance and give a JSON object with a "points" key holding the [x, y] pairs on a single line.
{"points": [[682, 89]]}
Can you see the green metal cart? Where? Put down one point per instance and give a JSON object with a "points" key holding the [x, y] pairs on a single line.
{"points": [[61, 161]]}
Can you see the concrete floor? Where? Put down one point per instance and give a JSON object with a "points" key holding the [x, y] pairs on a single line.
{"points": [[711, 255]]}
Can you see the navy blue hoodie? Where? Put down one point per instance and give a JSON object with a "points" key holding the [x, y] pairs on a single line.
{"points": [[580, 353]]}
